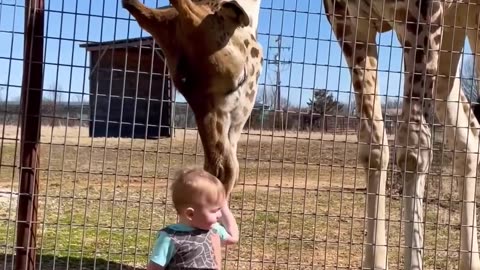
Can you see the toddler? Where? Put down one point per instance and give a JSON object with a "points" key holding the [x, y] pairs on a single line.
{"points": [[200, 201]]}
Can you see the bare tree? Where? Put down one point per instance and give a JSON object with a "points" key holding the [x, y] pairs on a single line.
{"points": [[2, 98], [266, 95], [52, 99], [392, 103]]}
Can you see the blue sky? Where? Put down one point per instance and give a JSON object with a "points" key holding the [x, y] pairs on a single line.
{"points": [[316, 59]]}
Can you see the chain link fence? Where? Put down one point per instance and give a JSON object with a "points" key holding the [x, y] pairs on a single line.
{"points": [[113, 130]]}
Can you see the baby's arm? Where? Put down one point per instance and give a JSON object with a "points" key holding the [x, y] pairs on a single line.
{"points": [[162, 252], [230, 224]]}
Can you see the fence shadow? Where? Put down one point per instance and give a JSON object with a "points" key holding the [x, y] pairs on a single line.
{"points": [[72, 263]]}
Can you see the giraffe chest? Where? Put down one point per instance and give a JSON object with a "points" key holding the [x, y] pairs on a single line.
{"points": [[384, 14], [378, 12]]}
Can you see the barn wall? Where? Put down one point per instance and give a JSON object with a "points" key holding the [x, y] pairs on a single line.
{"points": [[115, 96]]}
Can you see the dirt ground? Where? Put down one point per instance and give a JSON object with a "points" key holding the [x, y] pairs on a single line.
{"points": [[299, 200]]}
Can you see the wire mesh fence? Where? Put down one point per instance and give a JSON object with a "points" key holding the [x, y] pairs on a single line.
{"points": [[114, 130]]}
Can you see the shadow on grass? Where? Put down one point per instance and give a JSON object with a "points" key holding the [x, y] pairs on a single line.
{"points": [[74, 263]]}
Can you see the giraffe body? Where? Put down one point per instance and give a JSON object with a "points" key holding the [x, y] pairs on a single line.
{"points": [[215, 61], [432, 35]]}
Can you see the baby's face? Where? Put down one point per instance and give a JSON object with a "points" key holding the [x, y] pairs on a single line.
{"points": [[204, 217]]}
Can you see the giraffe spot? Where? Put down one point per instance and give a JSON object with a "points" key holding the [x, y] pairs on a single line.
{"points": [[252, 70], [347, 49], [254, 52], [360, 47], [340, 8], [401, 14], [359, 60], [246, 42], [339, 31], [252, 37], [369, 83], [419, 53], [347, 31], [257, 75], [412, 24], [250, 95], [250, 85], [357, 85], [423, 5]]}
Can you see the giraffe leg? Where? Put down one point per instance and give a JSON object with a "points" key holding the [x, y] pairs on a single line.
{"points": [[421, 44], [464, 128], [357, 40]]}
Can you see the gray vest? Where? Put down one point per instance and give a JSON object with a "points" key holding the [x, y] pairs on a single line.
{"points": [[193, 250]]}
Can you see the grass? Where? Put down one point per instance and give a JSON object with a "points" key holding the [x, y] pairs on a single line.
{"points": [[299, 202]]}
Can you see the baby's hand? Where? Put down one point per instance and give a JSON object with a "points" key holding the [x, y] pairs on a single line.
{"points": [[230, 224]]}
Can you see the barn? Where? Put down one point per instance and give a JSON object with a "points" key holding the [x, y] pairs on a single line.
{"points": [[130, 89]]}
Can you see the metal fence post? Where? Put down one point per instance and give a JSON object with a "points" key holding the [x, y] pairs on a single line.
{"points": [[32, 84]]}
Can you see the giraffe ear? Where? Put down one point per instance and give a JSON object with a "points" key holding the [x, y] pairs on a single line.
{"points": [[232, 9]]}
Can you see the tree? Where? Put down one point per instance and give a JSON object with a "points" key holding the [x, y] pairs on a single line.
{"points": [[392, 103], [266, 95], [469, 79], [324, 103], [2, 98]]}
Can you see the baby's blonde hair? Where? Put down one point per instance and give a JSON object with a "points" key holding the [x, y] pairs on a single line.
{"points": [[196, 187]]}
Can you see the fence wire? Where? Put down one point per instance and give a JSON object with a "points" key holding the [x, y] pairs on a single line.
{"points": [[114, 131]]}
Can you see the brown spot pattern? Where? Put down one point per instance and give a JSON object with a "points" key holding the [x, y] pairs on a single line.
{"points": [[254, 52]]}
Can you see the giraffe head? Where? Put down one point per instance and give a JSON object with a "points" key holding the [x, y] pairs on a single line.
{"points": [[214, 60]]}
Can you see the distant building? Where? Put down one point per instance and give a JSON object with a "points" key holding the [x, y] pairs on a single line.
{"points": [[130, 89]]}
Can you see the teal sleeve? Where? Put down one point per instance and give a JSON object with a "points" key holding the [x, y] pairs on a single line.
{"points": [[220, 230], [163, 249]]}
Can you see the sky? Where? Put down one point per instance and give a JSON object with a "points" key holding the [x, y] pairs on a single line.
{"points": [[311, 57]]}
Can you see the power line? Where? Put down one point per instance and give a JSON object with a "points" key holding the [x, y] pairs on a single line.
{"points": [[278, 63]]}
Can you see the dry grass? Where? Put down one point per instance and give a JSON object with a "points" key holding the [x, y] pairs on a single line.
{"points": [[299, 201]]}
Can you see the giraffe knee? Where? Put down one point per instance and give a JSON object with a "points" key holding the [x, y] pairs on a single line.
{"points": [[414, 151], [413, 160], [374, 156]]}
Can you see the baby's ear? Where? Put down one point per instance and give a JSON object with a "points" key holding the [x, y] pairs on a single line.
{"points": [[233, 10], [188, 212]]}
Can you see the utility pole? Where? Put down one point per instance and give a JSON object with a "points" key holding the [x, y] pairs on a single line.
{"points": [[277, 62]]}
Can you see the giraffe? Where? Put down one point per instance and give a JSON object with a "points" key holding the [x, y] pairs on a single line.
{"points": [[432, 34], [215, 60]]}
